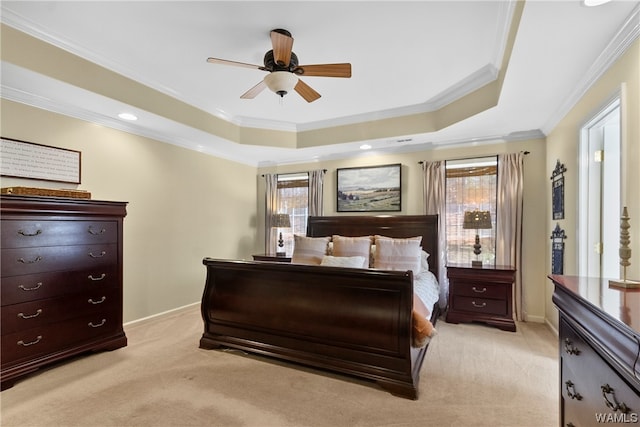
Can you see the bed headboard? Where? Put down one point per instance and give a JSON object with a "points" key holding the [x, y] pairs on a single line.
{"points": [[390, 226]]}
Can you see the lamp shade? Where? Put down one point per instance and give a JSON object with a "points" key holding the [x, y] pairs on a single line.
{"points": [[280, 221], [281, 82], [474, 220]]}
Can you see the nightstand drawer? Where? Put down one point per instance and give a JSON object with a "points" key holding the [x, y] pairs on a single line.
{"points": [[480, 305], [481, 295], [481, 290]]}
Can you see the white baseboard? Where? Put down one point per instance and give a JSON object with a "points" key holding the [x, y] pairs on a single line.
{"points": [[550, 325], [534, 319], [162, 314]]}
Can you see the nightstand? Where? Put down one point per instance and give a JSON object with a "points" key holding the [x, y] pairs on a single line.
{"points": [[481, 294], [271, 257]]}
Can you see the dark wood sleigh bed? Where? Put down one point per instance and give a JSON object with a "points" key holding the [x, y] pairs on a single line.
{"points": [[351, 321]]}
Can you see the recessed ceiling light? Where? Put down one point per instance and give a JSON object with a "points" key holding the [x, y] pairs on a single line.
{"points": [[591, 3], [365, 147], [128, 116]]}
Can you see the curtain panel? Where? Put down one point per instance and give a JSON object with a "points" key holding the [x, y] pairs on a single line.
{"points": [[271, 208], [509, 220], [316, 185], [434, 179]]}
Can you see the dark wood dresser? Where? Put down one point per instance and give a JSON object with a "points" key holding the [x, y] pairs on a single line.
{"points": [[481, 294], [61, 288], [599, 352]]}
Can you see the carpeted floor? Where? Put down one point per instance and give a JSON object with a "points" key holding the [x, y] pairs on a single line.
{"points": [[473, 375]]}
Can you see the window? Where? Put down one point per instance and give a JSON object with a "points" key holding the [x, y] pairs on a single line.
{"points": [[471, 185], [293, 199]]}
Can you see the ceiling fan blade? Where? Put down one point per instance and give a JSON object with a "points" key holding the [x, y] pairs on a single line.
{"points": [[324, 70], [282, 45], [306, 91], [234, 63], [254, 91]]}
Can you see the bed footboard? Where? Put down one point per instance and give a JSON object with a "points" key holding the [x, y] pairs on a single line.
{"points": [[352, 321]]}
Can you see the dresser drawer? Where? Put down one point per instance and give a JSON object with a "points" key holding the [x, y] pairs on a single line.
{"points": [[33, 233], [481, 290], [21, 261], [55, 337], [479, 305], [28, 315], [590, 387], [31, 287]]}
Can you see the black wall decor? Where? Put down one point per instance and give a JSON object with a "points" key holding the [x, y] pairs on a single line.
{"points": [[557, 250], [557, 190]]}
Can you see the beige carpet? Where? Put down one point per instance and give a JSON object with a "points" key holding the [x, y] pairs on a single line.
{"points": [[473, 375]]}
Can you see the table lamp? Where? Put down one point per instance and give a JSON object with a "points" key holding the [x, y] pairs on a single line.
{"points": [[280, 220], [476, 220]]}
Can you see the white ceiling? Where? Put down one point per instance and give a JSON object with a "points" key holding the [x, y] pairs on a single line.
{"points": [[407, 57]]}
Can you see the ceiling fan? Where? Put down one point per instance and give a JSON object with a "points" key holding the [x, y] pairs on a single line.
{"points": [[284, 71]]}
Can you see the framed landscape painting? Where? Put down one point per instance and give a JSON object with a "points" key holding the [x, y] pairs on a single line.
{"points": [[369, 189]]}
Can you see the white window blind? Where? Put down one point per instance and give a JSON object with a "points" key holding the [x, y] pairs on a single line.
{"points": [[293, 199], [471, 184]]}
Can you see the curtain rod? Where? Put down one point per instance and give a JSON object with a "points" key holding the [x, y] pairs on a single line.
{"points": [[293, 173], [475, 157]]}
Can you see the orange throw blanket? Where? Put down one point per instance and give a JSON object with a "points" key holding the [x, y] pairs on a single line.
{"points": [[423, 329]]}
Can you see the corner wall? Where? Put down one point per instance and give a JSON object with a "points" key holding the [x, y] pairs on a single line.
{"points": [[183, 205], [563, 144]]}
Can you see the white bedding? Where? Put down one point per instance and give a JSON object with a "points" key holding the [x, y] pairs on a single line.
{"points": [[425, 285]]}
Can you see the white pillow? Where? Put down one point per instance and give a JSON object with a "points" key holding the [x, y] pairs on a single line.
{"points": [[398, 254], [343, 261], [309, 250], [424, 261], [352, 246]]}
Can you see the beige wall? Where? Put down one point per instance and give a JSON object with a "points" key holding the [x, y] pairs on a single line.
{"points": [[535, 238], [563, 144], [181, 204]]}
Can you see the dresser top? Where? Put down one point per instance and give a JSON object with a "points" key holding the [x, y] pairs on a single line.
{"points": [[47, 205], [621, 304], [484, 267]]}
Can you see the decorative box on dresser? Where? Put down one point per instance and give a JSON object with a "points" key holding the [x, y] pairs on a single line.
{"points": [[61, 288], [599, 351], [481, 294]]}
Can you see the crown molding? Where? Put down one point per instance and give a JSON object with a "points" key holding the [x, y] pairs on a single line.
{"points": [[200, 143]]}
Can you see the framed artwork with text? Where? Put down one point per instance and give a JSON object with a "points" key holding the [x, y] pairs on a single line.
{"points": [[21, 159]]}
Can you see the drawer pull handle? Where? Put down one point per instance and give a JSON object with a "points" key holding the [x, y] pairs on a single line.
{"points": [[569, 348], [27, 344], [479, 291], [92, 255], [475, 304], [33, 261], [95, 279], [94, 232], [30, 316], [91, 301], [27, 234], [98, 325], [613, 403], [571, 391], [35, 288]]}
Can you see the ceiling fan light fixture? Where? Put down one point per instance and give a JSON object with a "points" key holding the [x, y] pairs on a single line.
{"points": [[281, 82]]}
